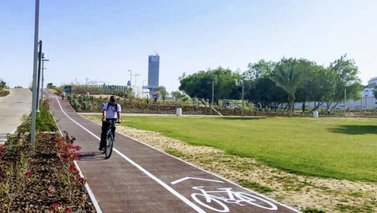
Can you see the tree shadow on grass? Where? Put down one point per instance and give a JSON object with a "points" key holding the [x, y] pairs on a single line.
{"points": [[355, 129]]}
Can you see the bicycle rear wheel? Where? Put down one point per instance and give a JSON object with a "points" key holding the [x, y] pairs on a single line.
{"points": [[213, 204], [109, 144]]}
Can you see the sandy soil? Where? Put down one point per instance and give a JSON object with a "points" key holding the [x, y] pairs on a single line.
{"points": [[302, 192]]}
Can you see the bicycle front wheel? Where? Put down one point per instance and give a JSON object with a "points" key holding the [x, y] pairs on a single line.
{"points": [[256, 201], [109, 145]]}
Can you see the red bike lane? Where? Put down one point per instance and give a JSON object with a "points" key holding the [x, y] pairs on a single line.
{"points": [[139, 178]]}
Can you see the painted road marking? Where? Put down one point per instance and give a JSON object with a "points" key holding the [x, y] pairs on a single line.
{"points": [[228, 196], [205, 171], [163, 184], [195, 178], [87, 187]]}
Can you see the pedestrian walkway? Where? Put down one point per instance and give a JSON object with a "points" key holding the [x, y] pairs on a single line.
{"points": [[12, 109], [3, 138], [138, 178]]}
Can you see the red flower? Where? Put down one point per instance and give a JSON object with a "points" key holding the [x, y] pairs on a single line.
{"points": [[55, 206], [75, 156], [73, 168], [2, 150], [28, 173], [77, 148], [67, 210]]}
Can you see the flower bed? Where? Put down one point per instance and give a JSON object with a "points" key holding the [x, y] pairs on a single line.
{"points": [[41, 178]]}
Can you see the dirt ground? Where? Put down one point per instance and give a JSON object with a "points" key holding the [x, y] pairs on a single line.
{"points": [[302, 192]]}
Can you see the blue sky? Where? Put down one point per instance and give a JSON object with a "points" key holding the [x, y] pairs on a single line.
{"points": [[101, 40]]}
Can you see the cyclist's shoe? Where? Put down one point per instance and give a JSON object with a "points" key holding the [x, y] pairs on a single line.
{"points": [[101, 148]]}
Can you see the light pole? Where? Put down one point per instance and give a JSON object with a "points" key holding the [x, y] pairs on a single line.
{"points": [[43, 76], [238, 82], [345, 97], [39, 73], [213, 92], [35, 91], [130, 84], [243, 92], [366, 101]]}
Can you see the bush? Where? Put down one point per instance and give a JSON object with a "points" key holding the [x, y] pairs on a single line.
{"points": [[4, 92]]}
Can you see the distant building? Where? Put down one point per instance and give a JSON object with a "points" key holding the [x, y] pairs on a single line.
{"points": [[372, 82], [153, 73]]}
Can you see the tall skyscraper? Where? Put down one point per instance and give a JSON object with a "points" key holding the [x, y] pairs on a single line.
{"points": [[153, 72]]}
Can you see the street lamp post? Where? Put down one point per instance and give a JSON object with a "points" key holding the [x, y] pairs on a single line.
{"points": [[242, 96], [238, 82], [43, 76], [39, 73], [345, 98], [35, 91], [213, 92], [130, 84]]}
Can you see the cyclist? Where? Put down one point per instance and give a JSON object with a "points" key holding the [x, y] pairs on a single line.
{"points": [[62, 95], [110, 116]]}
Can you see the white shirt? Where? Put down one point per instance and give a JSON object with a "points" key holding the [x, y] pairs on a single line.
{"points": [[111, 111]]}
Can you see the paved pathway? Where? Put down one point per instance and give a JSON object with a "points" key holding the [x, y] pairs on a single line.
{"points": [[138, 178], [12, 109]]}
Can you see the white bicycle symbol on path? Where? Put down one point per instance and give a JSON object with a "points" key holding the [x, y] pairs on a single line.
{"points": [[218, 200], [215, 200]]}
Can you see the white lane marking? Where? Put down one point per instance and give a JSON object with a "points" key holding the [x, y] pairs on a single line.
{"points": [[229, 181], [195, 178], [163, 184], [87, 187]]}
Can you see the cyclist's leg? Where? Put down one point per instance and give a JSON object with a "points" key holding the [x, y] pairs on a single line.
{"points": [[105, 126], [113, 127]]}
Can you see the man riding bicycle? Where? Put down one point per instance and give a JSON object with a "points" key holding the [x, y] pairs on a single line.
{"points": [[110, 116]]}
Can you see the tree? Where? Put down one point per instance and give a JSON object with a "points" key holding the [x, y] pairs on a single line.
{"points": [[289, 75], [375, 92], [163, 92], [318, 87], [200, 84], [346, 81], [2, 84], [177, 95], [258, 70], [264, 93]]}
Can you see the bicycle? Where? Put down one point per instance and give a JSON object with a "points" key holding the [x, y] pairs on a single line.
{"points": [[110, 139], [205, 199]]}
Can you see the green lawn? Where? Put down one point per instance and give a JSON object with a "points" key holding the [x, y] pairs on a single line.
{"points": [[344, 148]]}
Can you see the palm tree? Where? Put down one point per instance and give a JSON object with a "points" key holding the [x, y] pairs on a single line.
{"points": [[289, 75]]}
